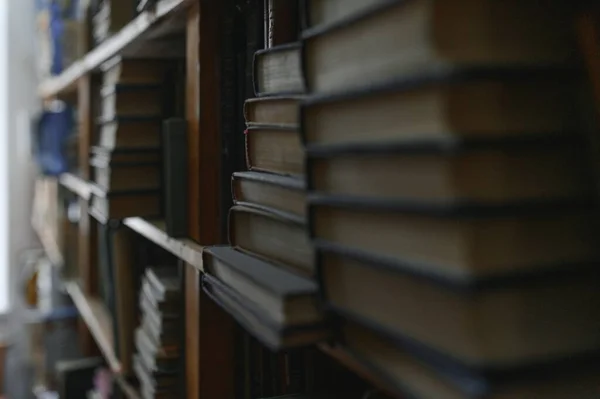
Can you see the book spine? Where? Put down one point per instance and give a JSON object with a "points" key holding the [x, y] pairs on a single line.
{"points": [[247, 149], [175, 176], [269, 23]]}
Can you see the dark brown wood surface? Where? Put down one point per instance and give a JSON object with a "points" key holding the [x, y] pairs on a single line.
{"points": [[125, 297], [86, 253], [209, 331], [192, 95], [192, 332], [356, 367]]}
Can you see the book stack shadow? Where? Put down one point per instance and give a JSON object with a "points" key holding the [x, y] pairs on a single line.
{"points": [[126, 159], [450, 199], [265, 278], [157, 362]]}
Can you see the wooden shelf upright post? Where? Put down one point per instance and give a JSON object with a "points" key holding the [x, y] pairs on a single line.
{"points": [[87, 232], [209, 331]]}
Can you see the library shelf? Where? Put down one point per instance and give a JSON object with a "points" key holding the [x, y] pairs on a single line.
{"points": [[129, 391], [51, 247], [99, 322], [76, 185], [139, 38], [154, 230], [354, 365]]}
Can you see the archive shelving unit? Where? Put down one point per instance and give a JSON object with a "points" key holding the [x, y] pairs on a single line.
{"points": [[209, 369], [209, 331]]}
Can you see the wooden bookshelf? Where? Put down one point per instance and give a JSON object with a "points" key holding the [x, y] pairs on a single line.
{"points": [[136, 39], [192, 30], [153, 230], [51, 247], [76, 185], [98, 319], [159, 33], [355, 366], [99, 322], [184, 249], [209, 335]]}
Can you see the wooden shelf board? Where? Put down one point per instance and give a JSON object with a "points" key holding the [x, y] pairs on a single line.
{"points": [[154, 231], [140, 38], [129, 391], [99, 322], [76, 185], [51, 247], [355, 366]]}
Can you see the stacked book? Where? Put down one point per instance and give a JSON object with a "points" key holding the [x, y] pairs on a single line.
{"points": [[265, 279], [449, 195], [159, 336], [110, 16], [127, 158]]}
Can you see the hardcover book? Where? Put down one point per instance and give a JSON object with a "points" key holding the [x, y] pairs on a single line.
{"points": [[485, 172], [486, 323], [130, 134], [405, 38], [266, 190], [445, 107], [252, 319], [272, 111], [283, 297], [278, 71], [460, 242], [175, 164], [272, 235], [274, 150], [133, 72], [413, 373]]}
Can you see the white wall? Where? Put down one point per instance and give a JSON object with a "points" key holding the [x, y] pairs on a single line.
{"points": [[17, 103], [4, 244]]}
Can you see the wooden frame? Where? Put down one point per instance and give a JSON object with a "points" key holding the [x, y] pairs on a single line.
{"points": [[209, 331]]}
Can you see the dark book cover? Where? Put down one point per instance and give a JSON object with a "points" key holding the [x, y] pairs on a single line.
{"points": [[289, 182], [175, 177], [473, 383], [266, 52], [451, 76], [468, 286], [279, 282], [253, 319], [116, 262], [106, 273], [129, 119]]}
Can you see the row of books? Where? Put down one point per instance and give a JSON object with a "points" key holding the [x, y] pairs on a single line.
{"points": [[265, 278], [158, 338], [138, 160], [110, 16], [451, 206], [127, 160], [433, 179]]}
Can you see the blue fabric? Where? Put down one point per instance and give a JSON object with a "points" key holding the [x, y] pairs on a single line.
{"points": [[57, 29], [54, 129]]}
